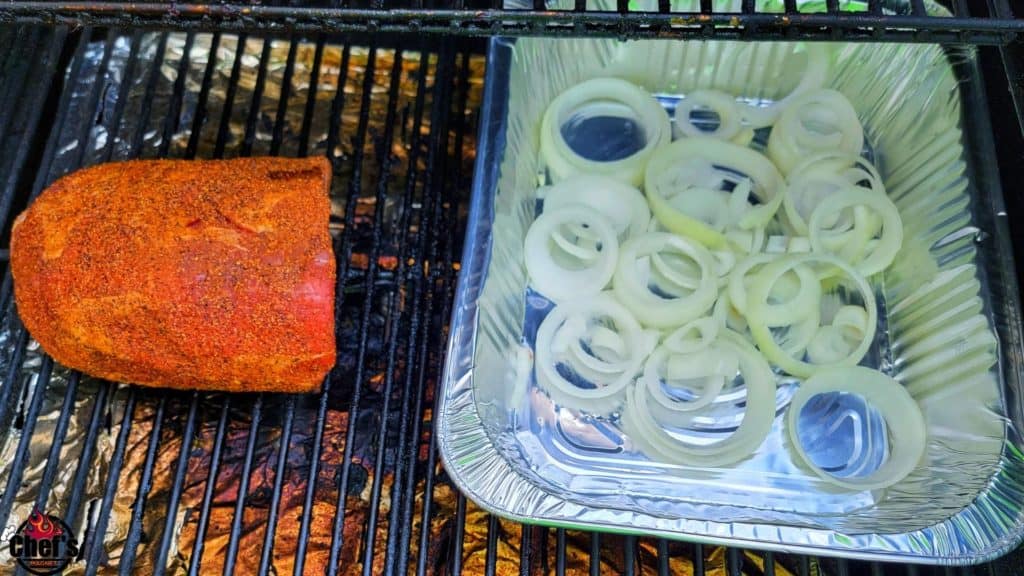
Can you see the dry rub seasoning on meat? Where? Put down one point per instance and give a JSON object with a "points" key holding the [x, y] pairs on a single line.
{"points": [[214, 275]]}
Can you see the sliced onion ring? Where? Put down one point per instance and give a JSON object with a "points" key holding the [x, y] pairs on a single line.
{"points": [[758, 297], [669, 411], [562, 161], [814, 76], [651, 309], [907, 431], [889, 244], [766, 184], [657, 444], [791, 140], [557, 282], [721, 103], [623, 205], [682, 342], [574, 317], [834, 170]]}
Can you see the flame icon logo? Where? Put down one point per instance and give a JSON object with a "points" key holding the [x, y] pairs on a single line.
{"points": [[40, 527], [43, 545]]}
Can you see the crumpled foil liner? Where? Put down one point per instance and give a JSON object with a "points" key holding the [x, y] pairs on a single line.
{"points": [[949, 328]]}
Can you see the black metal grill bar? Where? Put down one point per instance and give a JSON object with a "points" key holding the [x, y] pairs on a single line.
{"points": [[204, 95], [337, 106], [177, 486], [21, 150], [266, 554], [282, 103], [314, 468], [71, 511], [15, 70], [93, 541], [436, 147], [243, 487], [824, 26], [127, 560], [17, 467], [395, 314], [171, 119], [211, 483], [59, 433], [403, 491], [257, 97], [229, 98], [122, 95], [354, 189]]}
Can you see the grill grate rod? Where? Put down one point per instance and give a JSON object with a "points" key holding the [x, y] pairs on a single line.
{"points": [[403, 488], [394, 312], [355, 187], [337, 107]]}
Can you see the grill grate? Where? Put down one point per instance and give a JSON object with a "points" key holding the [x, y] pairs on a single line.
{"points": [[345, 482], [990, 22]]}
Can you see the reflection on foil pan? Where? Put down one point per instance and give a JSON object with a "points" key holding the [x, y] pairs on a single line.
{"points": [[514, 452], [136, 95]]}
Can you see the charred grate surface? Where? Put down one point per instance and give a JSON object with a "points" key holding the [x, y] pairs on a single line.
{"points": [[969, 21], [345, 482]]}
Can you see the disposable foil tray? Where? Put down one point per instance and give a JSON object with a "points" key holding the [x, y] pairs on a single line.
{"points": [[949, 327]]}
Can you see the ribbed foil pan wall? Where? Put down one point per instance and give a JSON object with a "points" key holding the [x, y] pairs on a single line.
{"points": [[949, 329]]}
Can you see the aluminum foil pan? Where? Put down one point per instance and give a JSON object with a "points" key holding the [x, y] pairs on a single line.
{"points": [[949, 328]]}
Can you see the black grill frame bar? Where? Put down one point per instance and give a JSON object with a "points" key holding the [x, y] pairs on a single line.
{"points": [[455, 19]]}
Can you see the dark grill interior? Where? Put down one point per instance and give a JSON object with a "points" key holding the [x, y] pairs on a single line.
{"points": [[346, 481]]}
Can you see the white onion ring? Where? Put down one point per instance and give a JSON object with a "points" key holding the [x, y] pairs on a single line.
{"points": [[907, 431], [558, 282], [881, 256], [680, 341], [623, 205], [758, 296], [721, 103], [669, 411], [653, 310], [663, 171], [557, 342], [562, 161], [813, 78], [791, 140], [657, 444]]}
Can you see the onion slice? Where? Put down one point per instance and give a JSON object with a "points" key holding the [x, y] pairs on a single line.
{"points": [[814, 76], [613, 93], [558, 266], [884, 251], [721, 103], [623, 205], [682, 165], [906, 425], [656, 443], [760, 329], [560, 340], [632, 286], [820, 120]]}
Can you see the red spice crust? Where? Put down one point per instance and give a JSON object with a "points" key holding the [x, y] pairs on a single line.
{"points": [[214, 275]]}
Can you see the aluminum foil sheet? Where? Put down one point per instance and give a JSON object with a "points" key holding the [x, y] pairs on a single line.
{"points": [[949, 328]]}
